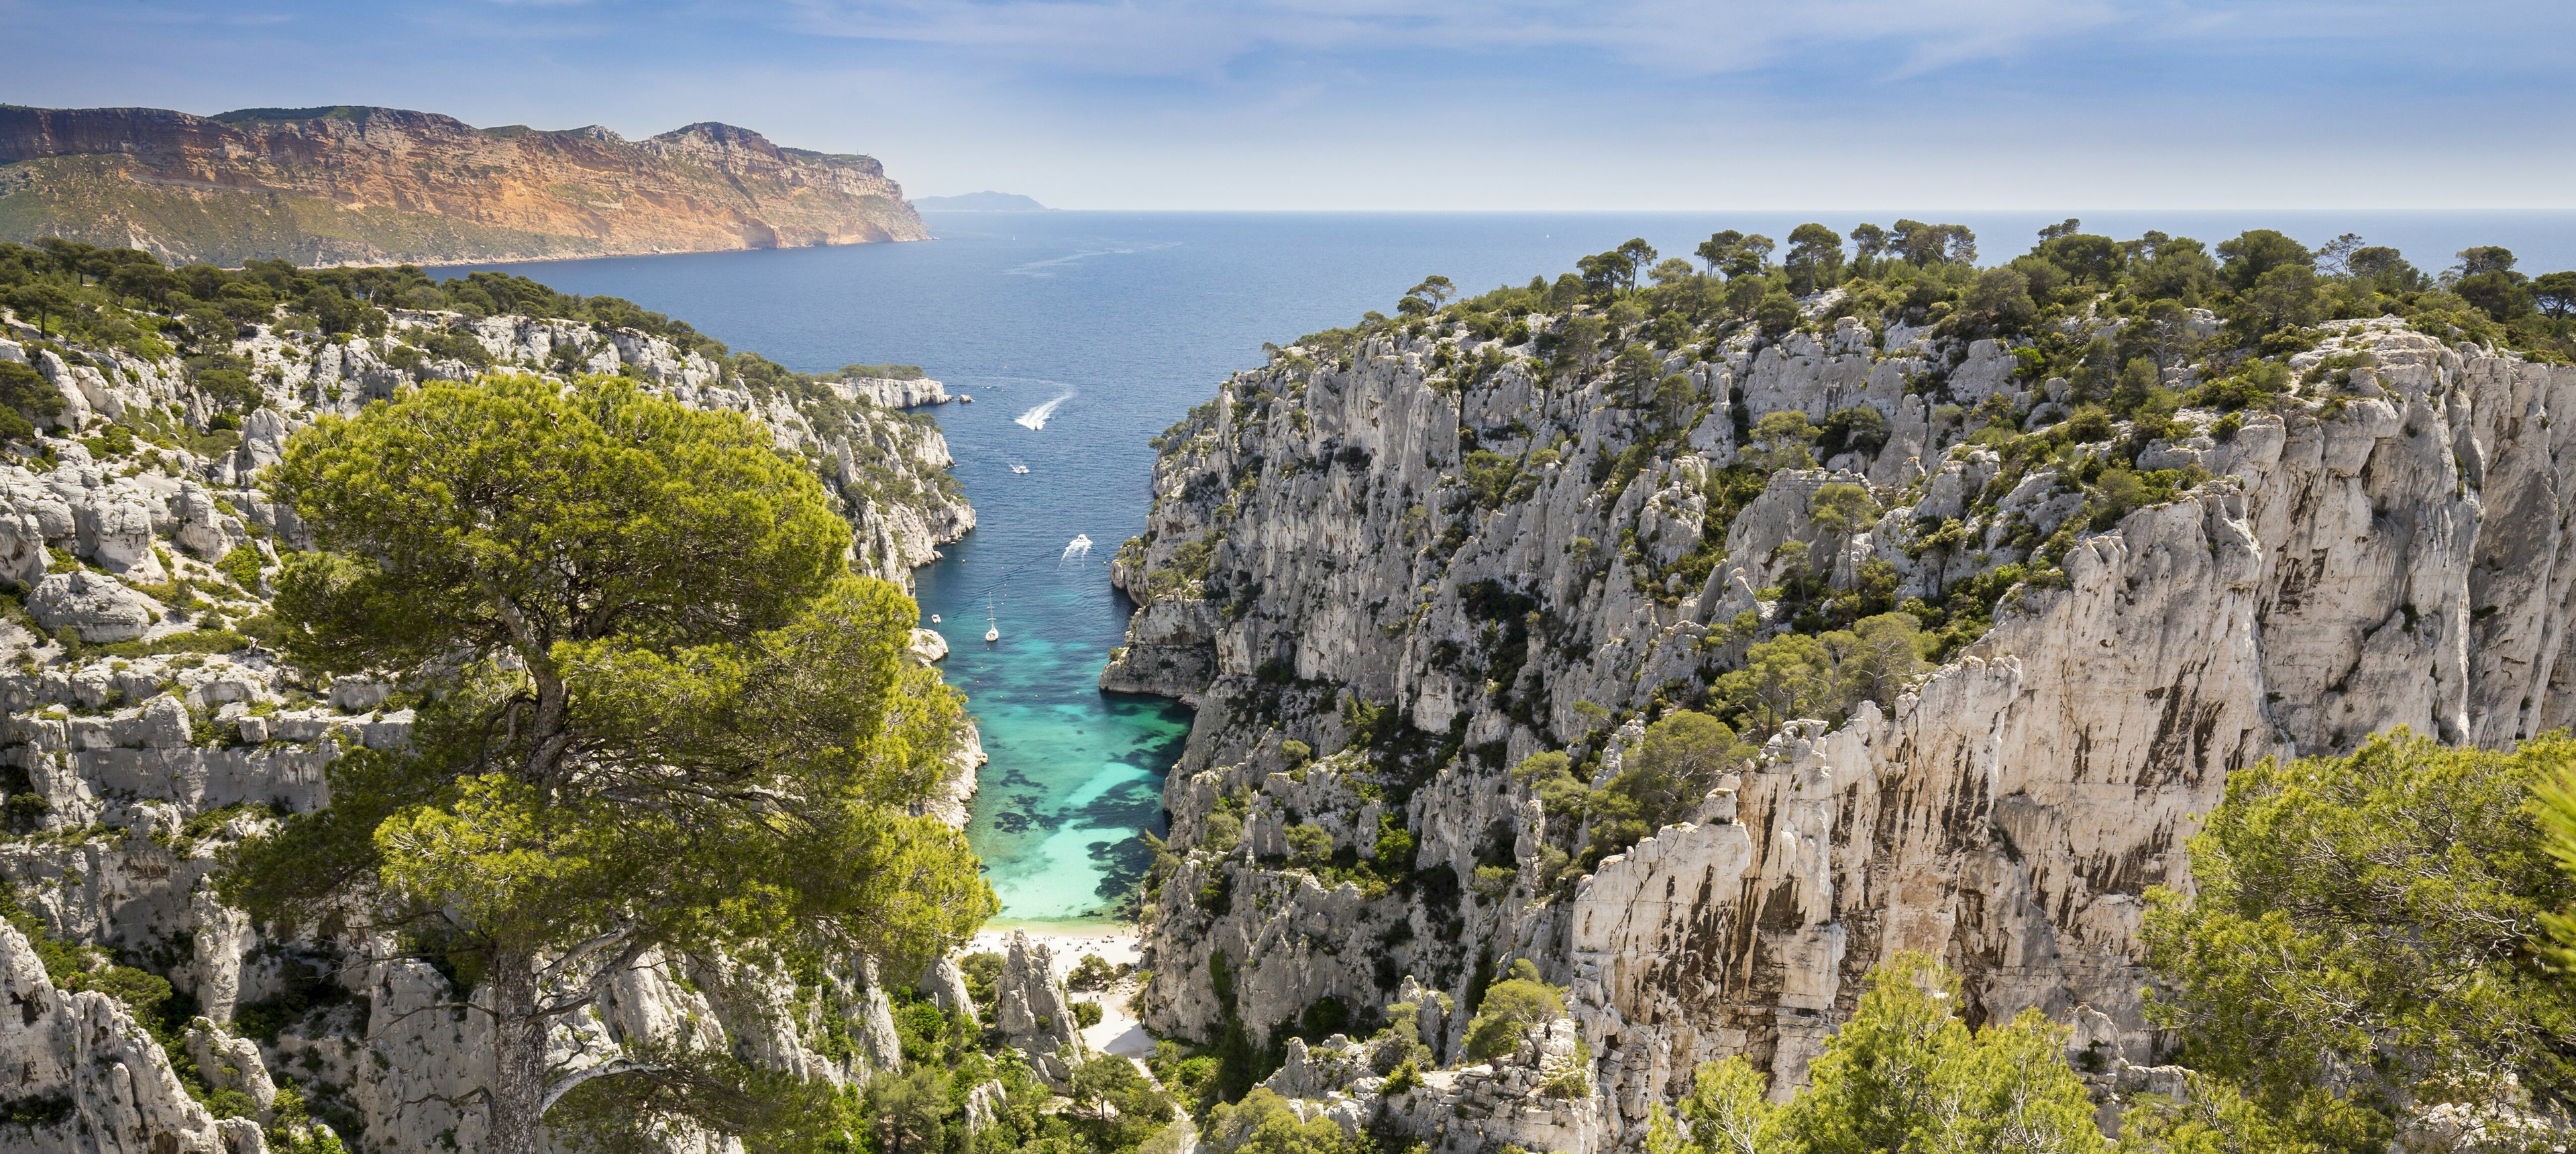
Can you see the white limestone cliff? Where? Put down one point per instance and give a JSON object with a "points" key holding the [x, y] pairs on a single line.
{"points": [[2391, 548], [892, 392], [888, 469], [124, 772], [82, 1061]]}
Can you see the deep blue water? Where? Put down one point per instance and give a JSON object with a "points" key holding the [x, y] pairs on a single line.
{"points": [[1125, 320]]}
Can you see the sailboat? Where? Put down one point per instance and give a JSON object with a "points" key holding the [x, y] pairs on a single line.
{"points": [[992, 626]]}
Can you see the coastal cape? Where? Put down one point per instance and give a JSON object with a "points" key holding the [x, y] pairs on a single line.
{"points": [[319, 186]]}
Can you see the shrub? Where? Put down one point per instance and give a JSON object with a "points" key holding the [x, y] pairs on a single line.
{"points": [[2002, 298], [1265, 1123], [886, 371], [1550, 776], [1781, 440], [1858, 429], [1309, 844], [1903, 1074], [1224, 831], [2258, 385], [1777, 313], [1838, 509], [230, 389], [1086, 1015], [242, 566], [2089, 425], [2365, 922], [1091, 973], [190, 641], [981, 969], [1394, 849], [1510, 1009], [1660, 782], [37, 1110]]}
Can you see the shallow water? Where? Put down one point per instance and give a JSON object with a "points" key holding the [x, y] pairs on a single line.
{"points": [[1081, 335]]}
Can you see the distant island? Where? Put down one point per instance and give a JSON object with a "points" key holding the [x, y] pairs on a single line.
{"points": [[980, 202], [355, 185]]}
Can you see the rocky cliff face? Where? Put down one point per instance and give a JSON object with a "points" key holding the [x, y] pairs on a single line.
{"points": [[128, 761], [1426, 560], [893, 392], [383, 186]]}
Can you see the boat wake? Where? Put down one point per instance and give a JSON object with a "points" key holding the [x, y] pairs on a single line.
{"points": [[1048, 266], [1037, 418]]}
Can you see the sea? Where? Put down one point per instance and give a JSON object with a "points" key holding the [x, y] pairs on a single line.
{"points": [[1080, 335]]}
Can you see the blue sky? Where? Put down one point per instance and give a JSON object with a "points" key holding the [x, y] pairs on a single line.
{"points": [[1423, 104]]}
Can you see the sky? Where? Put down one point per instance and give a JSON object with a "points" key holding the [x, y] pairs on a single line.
{"points": [[1442, 104]]}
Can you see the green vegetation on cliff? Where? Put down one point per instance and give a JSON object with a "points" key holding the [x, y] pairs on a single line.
{"points": [[2368, 937], [1903, 1073], [2369, 949], [126, 299], [2109, 341]]}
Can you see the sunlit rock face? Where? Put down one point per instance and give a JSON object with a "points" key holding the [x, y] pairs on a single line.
{"points": [[321, 186], [1510, 561]]}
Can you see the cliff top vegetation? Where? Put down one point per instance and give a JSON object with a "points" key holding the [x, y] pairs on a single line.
{"points": [[128, 300]]}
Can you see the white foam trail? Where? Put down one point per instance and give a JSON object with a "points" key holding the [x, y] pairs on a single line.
{"points": [[1041, 267], [1045, 267], [1080, 546], [1037, 418]]}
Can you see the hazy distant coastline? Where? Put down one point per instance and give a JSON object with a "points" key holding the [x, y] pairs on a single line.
{"points": [[325, 186], [986, 201]]}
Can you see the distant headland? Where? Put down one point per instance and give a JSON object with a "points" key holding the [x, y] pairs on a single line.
{"points": [[355, 185]]}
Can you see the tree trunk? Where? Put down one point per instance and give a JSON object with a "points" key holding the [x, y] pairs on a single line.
{"points": [[518, 1055]]}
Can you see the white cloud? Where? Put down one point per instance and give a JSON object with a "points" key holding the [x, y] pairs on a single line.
{"points": [[1175, 38]]}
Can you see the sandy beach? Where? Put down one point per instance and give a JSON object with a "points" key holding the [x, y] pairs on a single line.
{"points": [[1118, 1032]]}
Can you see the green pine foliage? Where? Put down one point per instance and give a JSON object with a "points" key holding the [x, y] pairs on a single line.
{"points": [[658, 713], [127, 300], [1903, 1073], [1265, 1123], [1510, 1010], [2554, 803], [2369, 936]]}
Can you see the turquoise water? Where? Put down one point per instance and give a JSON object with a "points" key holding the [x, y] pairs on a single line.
{"points": [[1115, 324]]}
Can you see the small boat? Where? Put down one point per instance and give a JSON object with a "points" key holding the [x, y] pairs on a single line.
{"points": [[934, 619], [1019, 468], [992, 627]]}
